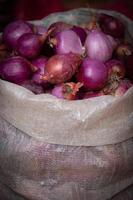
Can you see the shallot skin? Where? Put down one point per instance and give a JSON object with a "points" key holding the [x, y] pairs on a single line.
{"points": [[29, 45], [98, 45], [92, 73], [60, 68], [67, 41], [15, 69], [14, 30]]}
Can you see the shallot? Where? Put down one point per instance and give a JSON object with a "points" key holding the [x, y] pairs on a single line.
{"points": [[67, 41], [98, 45], [60, 68], [29, 45], [92, 73], [111, 25], [14, 30], [116, 72], [15, 69]]}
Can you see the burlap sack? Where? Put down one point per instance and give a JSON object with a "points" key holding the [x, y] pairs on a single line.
{"points": [[52, 149]]}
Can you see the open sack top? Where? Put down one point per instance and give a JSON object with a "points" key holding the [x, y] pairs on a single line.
{"points": [[91, 122]]}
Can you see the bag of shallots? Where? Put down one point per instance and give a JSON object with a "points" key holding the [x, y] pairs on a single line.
{"points": [[54, 149]]}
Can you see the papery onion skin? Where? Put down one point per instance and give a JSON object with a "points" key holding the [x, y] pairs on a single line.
{"points": [[14, 30], [67, 42], [111, 25], [15, 69], [92, 73], [98, 46], [61, 68]]}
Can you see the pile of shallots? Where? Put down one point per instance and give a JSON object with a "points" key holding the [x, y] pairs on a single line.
{"points": [[68, 61]]}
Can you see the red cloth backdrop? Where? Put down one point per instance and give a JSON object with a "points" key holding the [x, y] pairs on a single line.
{"points": [[123, 6], [36, 9]]}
